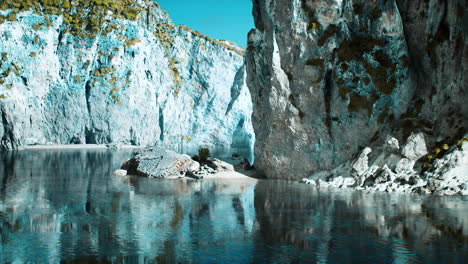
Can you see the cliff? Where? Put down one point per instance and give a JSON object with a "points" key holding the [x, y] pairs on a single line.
{"points": [[329, 78], [117, 72]]}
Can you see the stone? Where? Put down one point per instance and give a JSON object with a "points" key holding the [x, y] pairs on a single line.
{"points": [[449, 175], [120, 173], [415, 147], [160, 163], [404, 165], [145, 82], [384, 175], [361, 164], [219, 165], [348, 182], [392, 145]]}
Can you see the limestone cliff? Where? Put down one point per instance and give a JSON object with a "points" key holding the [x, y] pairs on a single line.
{"points": [[117, 72], [330, 77]]}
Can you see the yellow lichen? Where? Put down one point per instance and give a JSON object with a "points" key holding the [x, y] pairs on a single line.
{"points": [[103, 71], [222, 43], [461, 142], [131, 42], [82, 17]]}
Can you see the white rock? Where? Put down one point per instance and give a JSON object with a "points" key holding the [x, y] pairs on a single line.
{"points": [[415, 147], [361, 164], [392, 145], [220, 165], [348, 182], [120, 173], [404, 165], [337, 182], [322, 183]]}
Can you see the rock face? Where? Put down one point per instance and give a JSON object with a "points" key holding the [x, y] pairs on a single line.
{"points": [[330, 77], [117, 72], [160, 163]]}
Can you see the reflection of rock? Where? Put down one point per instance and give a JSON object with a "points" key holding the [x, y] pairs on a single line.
{"points": [[91, 211], [160, 163], [268, 222], [393, 171], [329, 225]]}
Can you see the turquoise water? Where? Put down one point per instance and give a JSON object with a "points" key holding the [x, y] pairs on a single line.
{"points": [[64, 206]]}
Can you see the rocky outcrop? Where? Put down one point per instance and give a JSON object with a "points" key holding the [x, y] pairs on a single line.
{"points": [[330, 77], [444, 171], [117, 72], [160, 163]]}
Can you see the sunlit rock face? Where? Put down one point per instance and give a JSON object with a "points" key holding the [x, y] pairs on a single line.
{"points": [[118, 72], [330, 77]]}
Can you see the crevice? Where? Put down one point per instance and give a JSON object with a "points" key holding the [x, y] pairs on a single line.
{"points": [[25, 81], [89, 135], [293, 100], [161, 124], [327, 93], [148, 15], [88, 95], [60, 36], [7, 129]]}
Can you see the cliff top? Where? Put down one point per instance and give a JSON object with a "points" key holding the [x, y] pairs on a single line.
{"points": [[87, 19]]}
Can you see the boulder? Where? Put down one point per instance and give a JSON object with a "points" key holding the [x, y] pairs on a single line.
{"points": [[415, 147], [160, 163], [361, 164], [220, 165]]}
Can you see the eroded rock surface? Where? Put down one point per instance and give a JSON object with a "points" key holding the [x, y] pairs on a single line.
{"points": [[117, 72], [330, 77]]}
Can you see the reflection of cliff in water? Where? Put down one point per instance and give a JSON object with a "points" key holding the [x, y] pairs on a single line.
{"points": [[355, 227], [66, 206], [57, 205]]}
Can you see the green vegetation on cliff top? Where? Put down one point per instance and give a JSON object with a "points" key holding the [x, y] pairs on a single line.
{"points": [[82, 17]]}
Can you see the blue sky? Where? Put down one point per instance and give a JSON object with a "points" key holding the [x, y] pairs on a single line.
{"points": [[220, 19]]}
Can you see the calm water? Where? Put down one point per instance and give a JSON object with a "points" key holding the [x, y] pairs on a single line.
{"points": [[66, 207]]}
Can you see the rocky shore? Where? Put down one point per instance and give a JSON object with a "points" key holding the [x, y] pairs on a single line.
{"points": [[156, 162], [407, 169]]}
